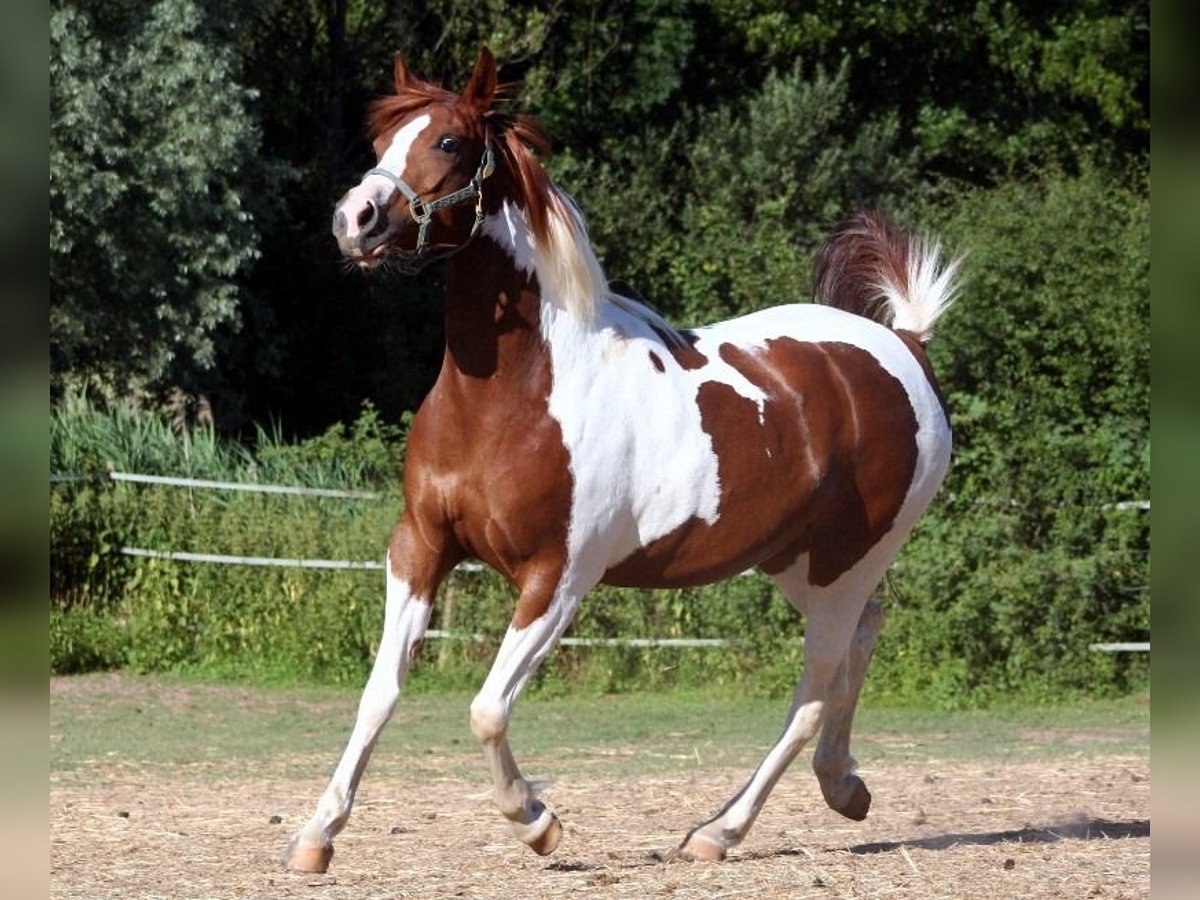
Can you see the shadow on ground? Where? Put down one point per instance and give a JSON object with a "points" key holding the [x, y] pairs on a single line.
{"points": [[1083, 830]]}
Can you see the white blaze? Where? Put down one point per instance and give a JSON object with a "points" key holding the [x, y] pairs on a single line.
{"points": [[395, 158], [376, 188]]}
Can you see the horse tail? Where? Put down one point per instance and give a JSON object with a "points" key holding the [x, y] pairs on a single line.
{"points": [[870, 267]]}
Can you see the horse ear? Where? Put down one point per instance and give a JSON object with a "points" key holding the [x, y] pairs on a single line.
{"points": [[482, 86], [400, 72]]}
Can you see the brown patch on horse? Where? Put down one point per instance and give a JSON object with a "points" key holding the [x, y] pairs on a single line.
{"points": [[824, 471], [657, 362], [864, 252], [682, 347], [420, 556], [484, 451]]}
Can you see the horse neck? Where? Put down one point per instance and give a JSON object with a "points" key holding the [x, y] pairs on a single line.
{"points": [[493, 317], [509, 295]]}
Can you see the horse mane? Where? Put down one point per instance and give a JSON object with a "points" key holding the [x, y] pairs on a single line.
{"points": [[567, 267]]}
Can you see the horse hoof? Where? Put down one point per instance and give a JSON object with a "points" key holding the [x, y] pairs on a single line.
{"points": [[697, 848], [313, 860], [860, 801], [547, 843]]}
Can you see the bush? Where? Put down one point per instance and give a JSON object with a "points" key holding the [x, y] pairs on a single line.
{"points": [[721, 214], [161, 615], [1028, 557]]}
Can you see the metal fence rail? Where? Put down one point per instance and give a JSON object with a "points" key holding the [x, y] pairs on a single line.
{"points": [[206, 484], [372, 565]]}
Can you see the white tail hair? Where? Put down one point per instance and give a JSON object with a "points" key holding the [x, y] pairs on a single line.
{"points": [[928, 290], [870, 267]]}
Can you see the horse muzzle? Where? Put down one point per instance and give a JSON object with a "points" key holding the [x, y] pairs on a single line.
{"points": [[360, 226]]}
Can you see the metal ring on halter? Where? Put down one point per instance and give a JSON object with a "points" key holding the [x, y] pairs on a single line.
{"points": [[422, 212]]}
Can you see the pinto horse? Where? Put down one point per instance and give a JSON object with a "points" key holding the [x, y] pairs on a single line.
{"points": [[574, 437]]}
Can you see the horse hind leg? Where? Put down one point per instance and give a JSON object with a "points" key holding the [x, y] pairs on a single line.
{"points": [[823, 693], [843, 789]]}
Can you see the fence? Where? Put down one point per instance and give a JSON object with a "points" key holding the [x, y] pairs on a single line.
{"points": [[338, 564], [371, 565]]}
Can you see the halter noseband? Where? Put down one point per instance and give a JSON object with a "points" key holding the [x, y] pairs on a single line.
{"points": [[422, 212]]}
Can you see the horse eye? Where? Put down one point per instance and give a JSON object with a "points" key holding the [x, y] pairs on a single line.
{"points": [[448, 143]]}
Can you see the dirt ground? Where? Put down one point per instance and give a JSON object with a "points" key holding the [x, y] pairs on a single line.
{"points": [[1076, 827]]}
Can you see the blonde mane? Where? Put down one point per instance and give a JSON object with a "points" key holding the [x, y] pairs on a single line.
{"points": [[566, 264]]}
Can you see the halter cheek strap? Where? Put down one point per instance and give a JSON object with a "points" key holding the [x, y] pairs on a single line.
{"points": [[422, 211]]}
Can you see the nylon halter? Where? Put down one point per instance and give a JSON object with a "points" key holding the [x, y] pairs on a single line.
{"points": [[422, 212]]}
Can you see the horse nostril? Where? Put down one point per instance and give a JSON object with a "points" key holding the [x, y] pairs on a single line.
{"points": [[367, 214]]}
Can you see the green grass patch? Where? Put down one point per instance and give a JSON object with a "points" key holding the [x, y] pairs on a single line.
{"points": [[164, 721]]}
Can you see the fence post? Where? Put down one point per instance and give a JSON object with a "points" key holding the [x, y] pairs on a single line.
{"points": [[449, 598]]}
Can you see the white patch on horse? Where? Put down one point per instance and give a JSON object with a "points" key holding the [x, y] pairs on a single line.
{"points": [[405, 619], [642, 462], [377, 189], [509, 229]]}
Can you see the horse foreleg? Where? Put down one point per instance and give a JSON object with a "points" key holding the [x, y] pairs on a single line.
{"points": [[406, 617], [843, 790], [524, 647]]}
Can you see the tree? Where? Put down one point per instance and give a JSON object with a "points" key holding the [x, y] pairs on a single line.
{"points": [[984, 87], [152, 147], [722, 214]]}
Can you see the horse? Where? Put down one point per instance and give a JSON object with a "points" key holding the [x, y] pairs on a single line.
{"points": [[574, 437]]}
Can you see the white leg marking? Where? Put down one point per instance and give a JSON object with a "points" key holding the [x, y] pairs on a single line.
{"points": [[520, 654], [832, 613], [405, 619], [832, 762]]}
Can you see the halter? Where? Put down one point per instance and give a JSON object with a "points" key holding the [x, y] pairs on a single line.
{"points": [[422, 212]]}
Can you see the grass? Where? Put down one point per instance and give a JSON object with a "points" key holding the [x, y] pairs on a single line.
{"points": [[163, 721]]}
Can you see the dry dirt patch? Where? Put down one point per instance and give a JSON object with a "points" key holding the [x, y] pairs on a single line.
{"points": [[1069, 828]]}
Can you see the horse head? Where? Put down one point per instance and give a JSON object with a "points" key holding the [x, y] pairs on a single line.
{"points": [[434, 149]]}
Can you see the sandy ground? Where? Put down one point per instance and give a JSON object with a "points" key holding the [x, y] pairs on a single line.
{"points": [[1073, 827]]}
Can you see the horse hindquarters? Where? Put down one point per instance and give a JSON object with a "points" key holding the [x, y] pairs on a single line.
{"points": [[832, 588]]}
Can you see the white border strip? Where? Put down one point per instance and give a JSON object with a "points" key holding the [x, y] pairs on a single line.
{"points": [[589, 642], [185, 556], [273, 561]]}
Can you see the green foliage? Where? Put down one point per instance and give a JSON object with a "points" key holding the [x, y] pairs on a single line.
{"points": [[1028, 558], [985, 88], [151, 144], [732, 203], [369, 451], [84, 640], [109, 610], [171, 134]]}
